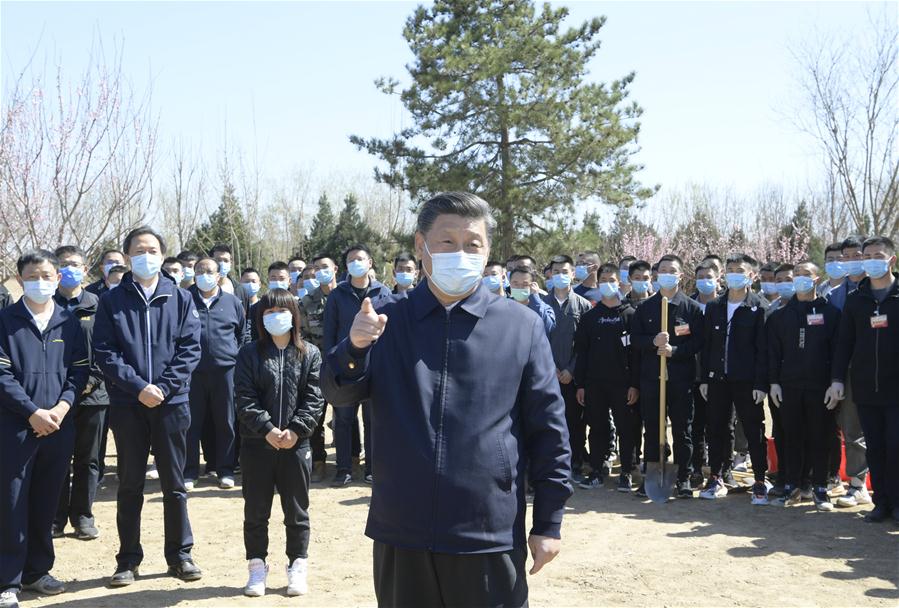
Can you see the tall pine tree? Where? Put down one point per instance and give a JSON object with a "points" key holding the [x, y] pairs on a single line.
{"points": [[227, 225], [500, 95], [322, 231]]}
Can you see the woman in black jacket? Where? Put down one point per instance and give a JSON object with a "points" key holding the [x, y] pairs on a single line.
{"points": [[278, 404]]}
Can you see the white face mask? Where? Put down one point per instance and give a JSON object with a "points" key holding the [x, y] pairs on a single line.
{"points": [[456, 273], [39, 291]]}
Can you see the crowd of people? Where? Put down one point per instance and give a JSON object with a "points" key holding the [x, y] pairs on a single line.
{"points": [[175, 353]]}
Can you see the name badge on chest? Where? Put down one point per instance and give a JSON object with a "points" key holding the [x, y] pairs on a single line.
{"points": [[879, 322], [817, 319], [682, 330]]}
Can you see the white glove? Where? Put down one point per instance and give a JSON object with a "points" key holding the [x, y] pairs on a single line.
{"points": [[777, 394], [834, 395], [704, 391], [758, 396]]}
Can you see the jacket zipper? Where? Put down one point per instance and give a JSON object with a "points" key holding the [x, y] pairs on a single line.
{"points": [[280, 385], [438, 435], [877, 354]]}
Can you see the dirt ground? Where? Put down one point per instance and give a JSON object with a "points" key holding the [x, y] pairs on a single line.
{"points": [[617, 551]]}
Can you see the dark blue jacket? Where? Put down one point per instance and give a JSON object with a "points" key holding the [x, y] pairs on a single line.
{"points": [[646, 324], [341, 309], [462, 402], [837, 296], [132, 357], [223, 329], [39, 370]]}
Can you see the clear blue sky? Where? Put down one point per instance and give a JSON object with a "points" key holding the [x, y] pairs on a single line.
{"points": [[294, 79]]}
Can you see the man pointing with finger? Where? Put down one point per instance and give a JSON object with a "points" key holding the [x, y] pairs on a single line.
{"points": [[451, 444]]}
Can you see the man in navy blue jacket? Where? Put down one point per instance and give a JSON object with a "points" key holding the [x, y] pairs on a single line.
{"points": [[340, 310], [147, 342], [43, 369], [452, 442], [222, 333]]}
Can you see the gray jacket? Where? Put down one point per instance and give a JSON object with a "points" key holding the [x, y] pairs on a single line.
{"points": [[561, 339]]}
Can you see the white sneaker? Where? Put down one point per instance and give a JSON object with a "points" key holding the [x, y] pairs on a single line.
{"points": [[256, 583], [152, 473], [741, 463], [46, 585], [226, 483], [189, 484], [713, 489], [296, 577], [854, 497], [9, 599]]}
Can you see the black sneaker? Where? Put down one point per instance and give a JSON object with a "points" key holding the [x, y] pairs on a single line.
{"points": [[124, 576], [592, 481], [878, 514], [369, 478], [697, 480], [186, 571], [624, 482], [777, 490], [58, 531], [641, 491], [342, 478], [87, 533], [684, 490]]}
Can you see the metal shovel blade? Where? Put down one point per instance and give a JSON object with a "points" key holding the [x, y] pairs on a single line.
{"points": [[659, 481]]}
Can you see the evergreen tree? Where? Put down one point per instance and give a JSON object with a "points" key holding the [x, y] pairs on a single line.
{"points": [[322, 232], [351, 229], [499, 93], [227, 225]]}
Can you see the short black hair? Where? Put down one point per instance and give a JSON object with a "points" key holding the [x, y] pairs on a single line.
{"points": [[324, 256], [561, 259], [769, 267], [404, 256], [638, 266], [784, 268], [671, 257], [743, 258], [628, 259], [171, 260], [187, 256], [495, 263], [220, 248], [886, 242], [833, 247], [526, 270], [356, 247], [655, 267], [609, 267], [513, 258], [528, 258], [248, 269], [141, 231], [811, 263], [36, 256], [463, 204], [707, 264], [855, 241], [106, 252], [65, 250], [295, 258], [279, 265]]}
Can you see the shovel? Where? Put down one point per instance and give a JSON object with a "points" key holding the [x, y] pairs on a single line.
{"points": [[661, 476]]}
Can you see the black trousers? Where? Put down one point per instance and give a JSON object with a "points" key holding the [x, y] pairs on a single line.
{"points": [[31, 473], [601, 402], [212, 393], [76, 500], [265, 470], [134, 427], [698, 431], [724, 398], [317, 441], [807, 428], [418, 578], [577, 425], [880, 424], [679, 398]]}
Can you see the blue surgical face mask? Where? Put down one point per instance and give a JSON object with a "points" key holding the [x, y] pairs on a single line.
{"points": [[278, 323], [625, 277], [521, 294], [580, 273], [310, 285], [561, 281], [737, 280], [550, 284], [854, 268], [493, 282], [146, 266], [177, 276], [302, 293], [224, 268], [39, 291], [71, 277], [251, 288], [656, 286], [769, 288], [706, 286], [835, 270], [786, 290], [294, 276], [188, 273], [876, 268], [803, 284], [608, 290], [109, 266], [668, 281], [357, 269], [324, 276], [277, 285], [206, 282], [506, 284], [640, 287], [404, 279]]}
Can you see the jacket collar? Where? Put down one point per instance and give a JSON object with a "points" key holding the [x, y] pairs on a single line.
{"points": [[424, 301], [198, 297], [59, 316], [864, 287], [86, 302], [752, 299], [165, 286], [347, 286]]}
